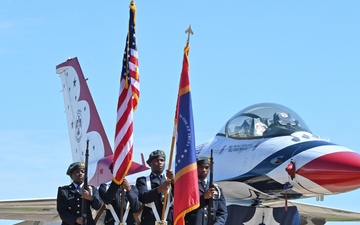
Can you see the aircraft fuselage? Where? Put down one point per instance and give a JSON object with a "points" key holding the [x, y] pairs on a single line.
{"points": [[291, 166]]}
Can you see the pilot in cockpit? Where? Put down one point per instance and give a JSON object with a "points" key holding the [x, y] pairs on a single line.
{"points": [[259, 128], [252, 127], [283, 124]]}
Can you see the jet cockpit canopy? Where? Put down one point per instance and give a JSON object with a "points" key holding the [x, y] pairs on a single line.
{"points": [[263, 120]]}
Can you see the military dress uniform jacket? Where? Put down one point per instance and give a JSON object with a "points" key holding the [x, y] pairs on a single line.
{"points": [[200, 215], [147, 196], [69, 203], [112, 195]]}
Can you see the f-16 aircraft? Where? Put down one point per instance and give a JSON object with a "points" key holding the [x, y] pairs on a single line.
{"points": [[274, 158], [83, 124]]}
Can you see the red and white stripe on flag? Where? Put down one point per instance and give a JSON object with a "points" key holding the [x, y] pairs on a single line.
{"points": [[127, 103]]}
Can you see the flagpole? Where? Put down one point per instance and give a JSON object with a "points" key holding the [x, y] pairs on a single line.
{"points": [[128, 86], [188, 31], [122, 199]]}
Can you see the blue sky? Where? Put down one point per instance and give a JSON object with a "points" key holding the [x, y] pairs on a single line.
{"points": [[301, 54]]}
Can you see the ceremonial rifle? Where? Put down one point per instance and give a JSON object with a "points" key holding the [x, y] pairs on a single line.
{"points": [[211, 200], [122, 206], [84, 203]]}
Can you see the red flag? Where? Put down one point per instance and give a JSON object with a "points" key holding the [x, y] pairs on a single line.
{"points": [[186, 190], [127, 103]]}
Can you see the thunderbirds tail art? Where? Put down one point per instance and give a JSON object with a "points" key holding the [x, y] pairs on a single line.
{"points": [[83, 124]]}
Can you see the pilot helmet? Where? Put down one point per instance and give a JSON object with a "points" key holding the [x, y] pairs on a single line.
{"points": [[282, 118]]}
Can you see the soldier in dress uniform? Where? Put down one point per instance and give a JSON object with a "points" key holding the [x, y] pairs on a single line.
{"points": [[152, 189], [111, 195], [200, 215], [69, 197]]}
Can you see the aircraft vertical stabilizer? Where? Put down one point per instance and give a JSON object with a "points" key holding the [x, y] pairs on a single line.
{"points": [[84, 123]]}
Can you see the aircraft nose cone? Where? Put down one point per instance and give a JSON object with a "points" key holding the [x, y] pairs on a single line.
{"points": [[337, 172]]}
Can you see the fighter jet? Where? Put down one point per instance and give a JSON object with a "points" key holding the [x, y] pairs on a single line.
{"points": [[265, 156]]}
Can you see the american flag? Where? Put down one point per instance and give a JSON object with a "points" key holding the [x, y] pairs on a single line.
{"points": [[186, 190], [127, 103]]}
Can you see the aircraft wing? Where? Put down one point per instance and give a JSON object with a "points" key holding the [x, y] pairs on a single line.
{"points": [[310, 214], [45, 210], [317, 215], [30, 210]]}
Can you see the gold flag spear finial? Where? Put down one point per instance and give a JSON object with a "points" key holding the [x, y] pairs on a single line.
{"points": [[188, 31]]}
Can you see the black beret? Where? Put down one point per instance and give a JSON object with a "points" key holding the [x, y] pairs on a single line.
{"points": [[75, 166], [202, 160], [154, 155]]}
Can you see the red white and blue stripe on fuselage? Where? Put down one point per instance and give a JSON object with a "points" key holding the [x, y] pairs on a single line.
{"points": [[256, 168]]}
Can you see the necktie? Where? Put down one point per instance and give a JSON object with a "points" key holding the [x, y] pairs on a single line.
{"points": [[160, 179], [203, 183]]}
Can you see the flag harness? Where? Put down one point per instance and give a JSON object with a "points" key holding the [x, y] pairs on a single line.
{"points": [[153, 207], [113, 213]]}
